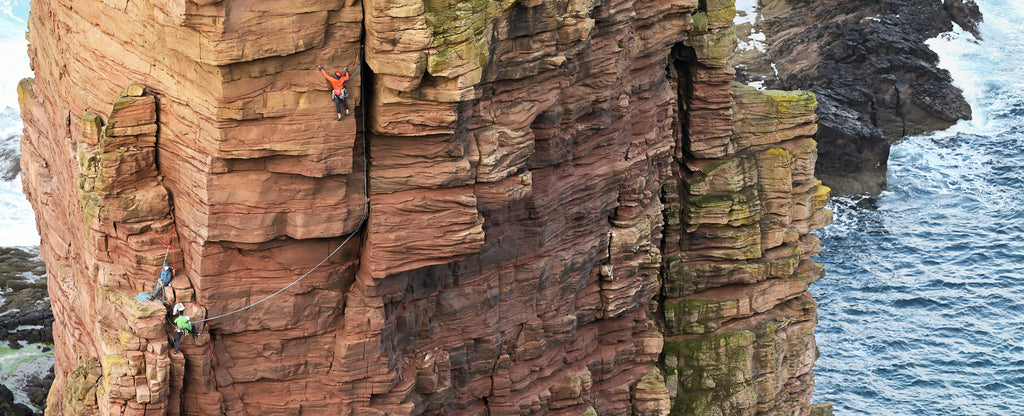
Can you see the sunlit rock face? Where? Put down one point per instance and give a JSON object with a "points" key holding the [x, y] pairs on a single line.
{"points": [[568, 208]]}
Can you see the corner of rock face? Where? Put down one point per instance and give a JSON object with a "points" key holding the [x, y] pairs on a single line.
{"points": [[568, 208]]}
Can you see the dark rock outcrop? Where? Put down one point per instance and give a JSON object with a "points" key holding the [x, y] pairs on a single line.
{"points": [[9, 156], [25, 298], [9, 149], [875, 78], [7, 405], [38, 386]]}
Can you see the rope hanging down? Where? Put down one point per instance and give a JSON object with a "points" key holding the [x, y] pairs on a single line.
{"points": [[362, 220], [168, 244]]}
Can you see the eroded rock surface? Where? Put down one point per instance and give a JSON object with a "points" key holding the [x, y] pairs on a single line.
{"points": [[571, 209]]}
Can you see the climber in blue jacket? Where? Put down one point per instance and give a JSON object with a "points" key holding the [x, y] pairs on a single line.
{"points": [[166, 274]]}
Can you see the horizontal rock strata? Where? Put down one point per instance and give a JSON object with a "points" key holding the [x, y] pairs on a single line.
{"points": [[570, 209]]}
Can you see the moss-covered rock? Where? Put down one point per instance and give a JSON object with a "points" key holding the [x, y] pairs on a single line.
{"points": [[650, 395], [695, 316], [720, 13], [458, 45], [80, 390], [713, 372], [713, 38], [821, 409]]}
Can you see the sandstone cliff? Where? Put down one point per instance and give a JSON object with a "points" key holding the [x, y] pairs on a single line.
{"points": [[571, 209]]}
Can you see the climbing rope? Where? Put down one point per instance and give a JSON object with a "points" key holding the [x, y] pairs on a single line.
{"points": [[362, 220], [212, 359], [168, 244]]}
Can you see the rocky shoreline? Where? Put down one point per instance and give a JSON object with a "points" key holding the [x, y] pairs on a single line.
{"points": [[26, 319], [875, 79]]}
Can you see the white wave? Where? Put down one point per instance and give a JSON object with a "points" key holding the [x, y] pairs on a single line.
{"points": [[17, 220], [988, 71], [15, 68], [14, 49]]}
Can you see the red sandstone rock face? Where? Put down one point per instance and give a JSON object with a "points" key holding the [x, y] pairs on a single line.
{"points": [[551, 189]]}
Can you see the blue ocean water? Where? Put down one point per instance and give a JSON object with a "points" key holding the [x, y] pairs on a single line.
{"points": [[921, 310]]}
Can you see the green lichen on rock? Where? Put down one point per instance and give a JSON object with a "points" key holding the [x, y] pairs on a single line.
{"points": [[26, 90], [821, 194], [821, 409], [115, 366], [700, 21], [673, 277], [727, 175], [694, 316], [92, 126], [650, 396], [713, 373], [720, 13], [738, 208], [713, 38], [724, 193], [80, 389], [91, 205], [777, 104], [775, 156], [459, 44], [792, 103], [127, 304]]}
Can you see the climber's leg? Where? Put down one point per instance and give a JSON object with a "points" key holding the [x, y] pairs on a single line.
{"points": [[177, 340]]}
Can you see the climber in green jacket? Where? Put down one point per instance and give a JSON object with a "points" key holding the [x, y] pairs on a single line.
{"points": [[183, 325]]}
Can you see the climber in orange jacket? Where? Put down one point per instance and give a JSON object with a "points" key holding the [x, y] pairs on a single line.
{"points": [[338, 93]]}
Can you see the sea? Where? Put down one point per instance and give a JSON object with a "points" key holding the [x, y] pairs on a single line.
{"points": [[17, 223], [922, 308]]}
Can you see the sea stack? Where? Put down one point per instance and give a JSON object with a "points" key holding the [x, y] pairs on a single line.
{"points": [[537, 207]]}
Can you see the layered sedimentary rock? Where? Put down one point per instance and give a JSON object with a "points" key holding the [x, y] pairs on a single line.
{"points": [[568, 208], [875, 78]]}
